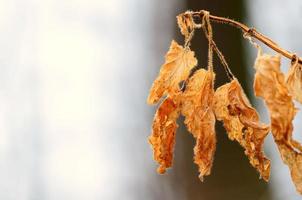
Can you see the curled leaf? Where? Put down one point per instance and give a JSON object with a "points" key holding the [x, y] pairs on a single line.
{"points": [[270, 85], [197, 102], [241, 122], [185, 23], [162, 137], [294, 81], [177, 67]]}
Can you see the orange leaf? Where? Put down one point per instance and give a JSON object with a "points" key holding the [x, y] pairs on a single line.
{"points": [[162, 137], [177, 67], [241, 121], [197, 101], [185, 23], [270, 85], [294, 81]]}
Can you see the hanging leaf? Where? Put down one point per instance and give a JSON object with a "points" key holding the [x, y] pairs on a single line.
{"points": [[294, 81], [270, 85], [241, 122], [195, 98], [197, 102], [185, 23], [177, 67], [162, 137]]}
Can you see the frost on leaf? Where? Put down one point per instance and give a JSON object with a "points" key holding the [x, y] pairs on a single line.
{"points": [[178, 64], [241, 122], [197, 102], [162, 137], [294, 81], [185, 23], [271, 86]]}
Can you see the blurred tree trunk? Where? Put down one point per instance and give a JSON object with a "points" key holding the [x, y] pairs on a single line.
{"points": [[232, 176]]}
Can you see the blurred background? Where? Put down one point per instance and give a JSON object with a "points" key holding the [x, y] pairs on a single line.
{"points": [[74, 80]]}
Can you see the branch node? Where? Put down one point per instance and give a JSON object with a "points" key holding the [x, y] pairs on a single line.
{"points": [[294, 58]]}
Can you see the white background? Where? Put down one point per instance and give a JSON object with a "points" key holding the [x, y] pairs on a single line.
{"points": [[73, 84]]}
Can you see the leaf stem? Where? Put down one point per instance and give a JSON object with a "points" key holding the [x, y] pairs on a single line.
{"points": [[251, 32]]}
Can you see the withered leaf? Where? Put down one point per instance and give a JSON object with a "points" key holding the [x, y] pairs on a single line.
{"points": [[270, 85], [177, 67], [294, 81], [197, 102], [185, 23], [162, 137], [241, 122]]}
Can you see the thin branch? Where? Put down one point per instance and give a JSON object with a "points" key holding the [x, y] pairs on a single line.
{"points": [[253, 33]]}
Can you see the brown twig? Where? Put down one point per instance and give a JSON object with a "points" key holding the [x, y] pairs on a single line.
{"points": [[251, 32]]}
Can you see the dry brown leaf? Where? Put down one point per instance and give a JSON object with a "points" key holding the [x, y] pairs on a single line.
{"points": [[162, 137], [294, 81], [177, 67], [241, 121], [270, 85], [185, 23], [197, 102]]}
